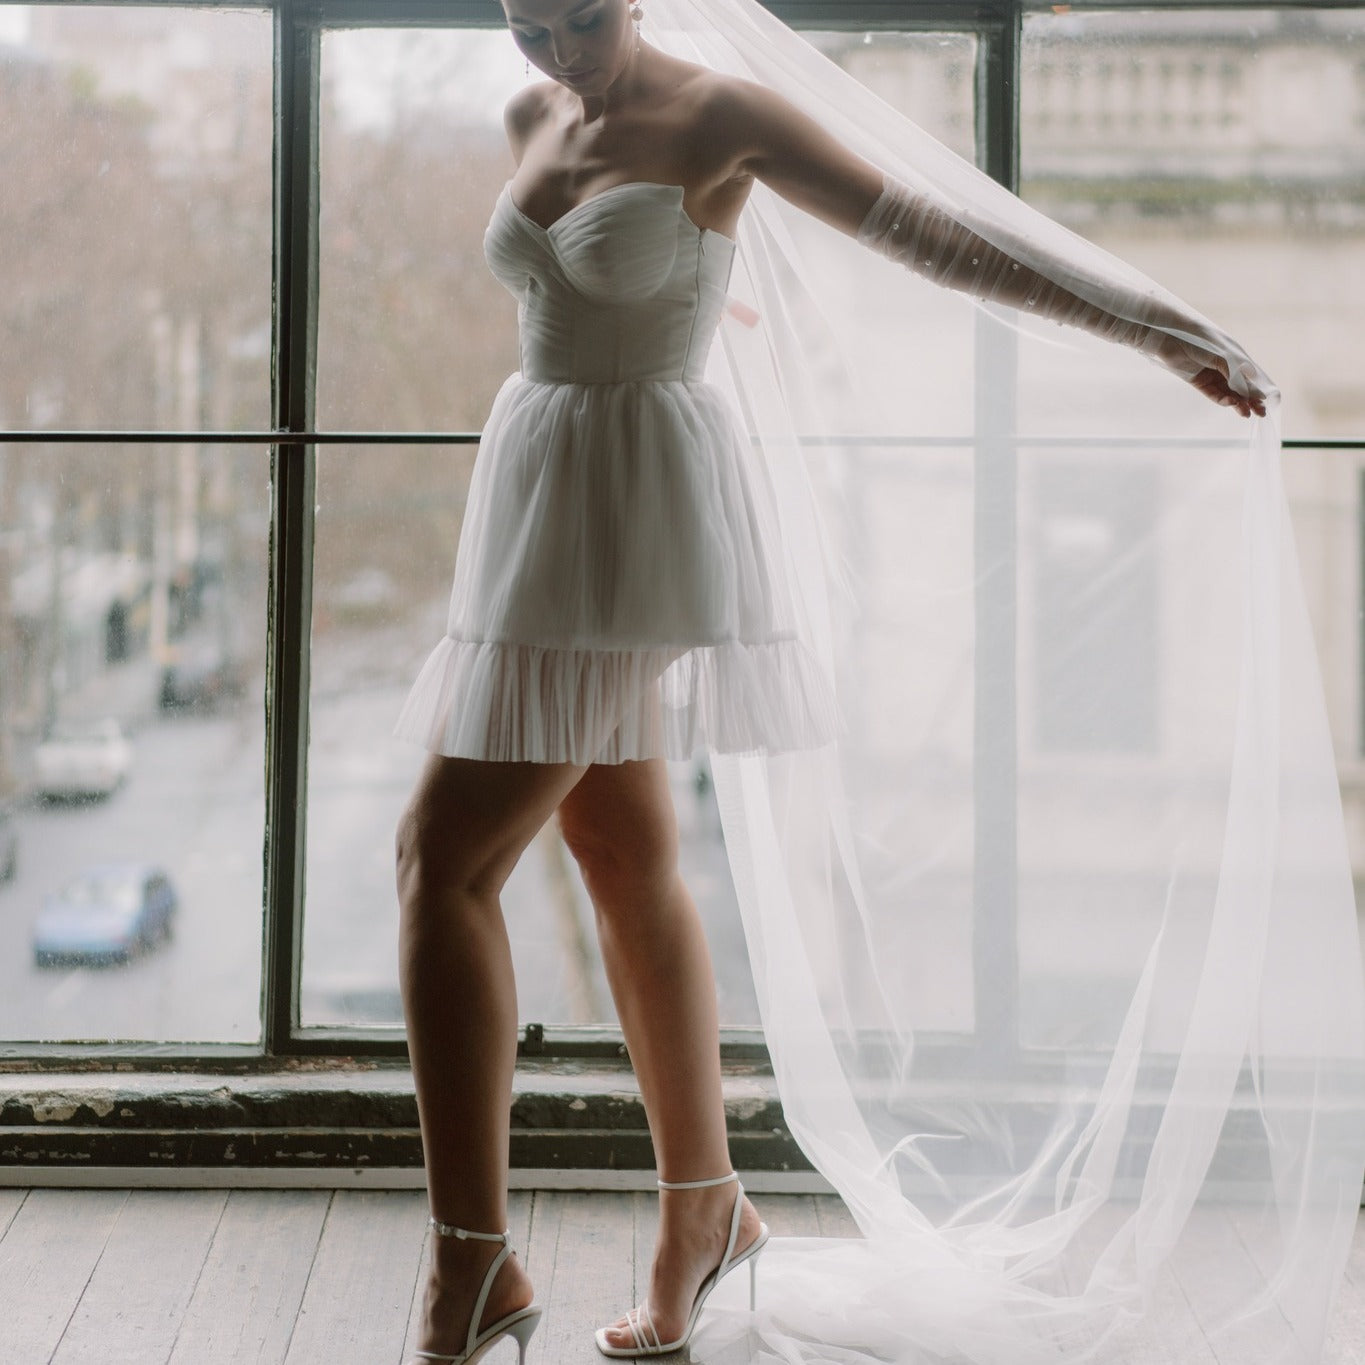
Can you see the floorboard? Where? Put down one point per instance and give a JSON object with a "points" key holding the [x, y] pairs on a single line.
{"points": [[1168, 1333], [247, 1299], [358, 1299], [137, 1294], [10, 1203], [834, 1220], [1211, 1248], [582, 1260], [312, 1277], [48, 1253], [1345, 1343], [797, 1216]]}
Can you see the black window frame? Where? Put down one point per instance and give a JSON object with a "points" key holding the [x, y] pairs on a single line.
{"points": [[997, 26]]}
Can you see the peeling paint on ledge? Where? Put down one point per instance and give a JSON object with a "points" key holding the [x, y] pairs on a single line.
{"points": [[62, 1108], [53, 1110]]}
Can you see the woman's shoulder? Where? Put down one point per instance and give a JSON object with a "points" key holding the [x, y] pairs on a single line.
{"points": [[528, 108], [730, 108], [716, 94]]}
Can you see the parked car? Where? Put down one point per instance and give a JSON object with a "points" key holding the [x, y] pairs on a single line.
{"points": [[9, 846], [106, 914], [201, 673], [83, 760]]}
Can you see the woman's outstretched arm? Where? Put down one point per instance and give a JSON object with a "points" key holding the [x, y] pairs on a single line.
{"points": [[807, 166]]}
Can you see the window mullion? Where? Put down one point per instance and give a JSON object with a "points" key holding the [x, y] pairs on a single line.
{"points": [[995, 890], [293, 479]]}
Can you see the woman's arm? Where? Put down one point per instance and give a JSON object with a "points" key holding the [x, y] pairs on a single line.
{"points": [[795, 157]]}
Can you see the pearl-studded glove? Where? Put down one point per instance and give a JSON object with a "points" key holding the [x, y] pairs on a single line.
{"points": [[907, 228]]}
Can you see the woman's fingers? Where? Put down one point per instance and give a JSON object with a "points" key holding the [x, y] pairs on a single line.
{"points": [[1214, 385]]}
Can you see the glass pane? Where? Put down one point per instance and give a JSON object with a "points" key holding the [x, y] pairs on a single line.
{"points": [[132, 580], [388, 522], [132, 672], [1222, 153], [929, 77], [1103, 811], [135, 283], [1326, 490], [414, 334], [904, 527], [905, 341]]}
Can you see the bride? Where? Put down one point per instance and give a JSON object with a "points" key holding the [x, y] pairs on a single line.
{"points": [[625, 593]]}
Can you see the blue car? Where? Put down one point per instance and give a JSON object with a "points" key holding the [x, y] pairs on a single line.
{"points": [[106, 914]]}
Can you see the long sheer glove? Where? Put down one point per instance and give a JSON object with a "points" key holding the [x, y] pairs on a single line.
{"points": [[909, 228]]}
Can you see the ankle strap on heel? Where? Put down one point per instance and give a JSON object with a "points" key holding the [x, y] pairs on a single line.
{"points": [[697, 1184], [734, 1216], [464, 1234], [489, 1275]]}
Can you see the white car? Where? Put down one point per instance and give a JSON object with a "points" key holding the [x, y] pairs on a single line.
{"points": [[83, 759]]}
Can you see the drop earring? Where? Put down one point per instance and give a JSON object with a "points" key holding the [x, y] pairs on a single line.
{"points": [[636, 14]]}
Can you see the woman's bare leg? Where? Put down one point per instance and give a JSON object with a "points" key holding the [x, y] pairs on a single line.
{"points": [[619, 823], [458, 840]]}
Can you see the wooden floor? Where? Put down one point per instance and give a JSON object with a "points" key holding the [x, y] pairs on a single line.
{"points": [[316, 1277]]}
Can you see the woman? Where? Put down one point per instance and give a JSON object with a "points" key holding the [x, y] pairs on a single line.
{"points": [[616, 231]]}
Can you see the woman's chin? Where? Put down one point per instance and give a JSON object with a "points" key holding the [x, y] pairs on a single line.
{"points": [[589, 81]]}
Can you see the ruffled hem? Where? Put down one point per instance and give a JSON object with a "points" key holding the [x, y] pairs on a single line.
{"points": [[510, 703]]}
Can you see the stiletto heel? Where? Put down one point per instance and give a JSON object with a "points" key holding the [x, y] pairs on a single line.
{"points": [[519, 1325], [644, 1339], [523, 1331]]}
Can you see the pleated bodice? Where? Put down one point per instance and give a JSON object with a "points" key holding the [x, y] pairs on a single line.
{"points": [[618, 289]]}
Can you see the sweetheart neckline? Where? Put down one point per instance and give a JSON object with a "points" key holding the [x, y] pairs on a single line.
{"points": [[679, 190]]}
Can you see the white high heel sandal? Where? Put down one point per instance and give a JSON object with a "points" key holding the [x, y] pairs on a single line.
{"points": [[519, 1325], [643, 1336]]}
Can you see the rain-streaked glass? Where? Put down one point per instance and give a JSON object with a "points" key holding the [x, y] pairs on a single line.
{"points": [[1221, 152], [132, 674], [134, 294], [135, 279]]}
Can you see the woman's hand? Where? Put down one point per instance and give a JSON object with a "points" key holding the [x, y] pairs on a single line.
{"points": [[1214, 385], [1208, 373]]}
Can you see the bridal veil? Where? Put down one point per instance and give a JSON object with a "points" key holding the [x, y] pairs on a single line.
{"points": [[1056, 948]]}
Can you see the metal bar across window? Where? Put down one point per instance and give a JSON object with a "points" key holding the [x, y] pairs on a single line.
{"points": [[451, 438]]}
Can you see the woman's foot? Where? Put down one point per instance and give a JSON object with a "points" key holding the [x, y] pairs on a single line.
{"points": [[456, 1274], [694, 1226]]}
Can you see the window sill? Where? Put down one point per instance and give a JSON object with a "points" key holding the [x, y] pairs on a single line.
{"points": [[332, 1118]]}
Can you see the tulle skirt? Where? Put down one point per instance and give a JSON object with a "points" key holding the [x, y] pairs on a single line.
{"points": [[619, 589]]}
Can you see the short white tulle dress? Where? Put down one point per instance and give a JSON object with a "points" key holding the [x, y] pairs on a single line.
{"points": [[619, 588]]}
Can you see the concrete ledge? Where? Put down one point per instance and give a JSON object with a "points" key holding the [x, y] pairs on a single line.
{"points": [[364, 1178], [338, 1117]]}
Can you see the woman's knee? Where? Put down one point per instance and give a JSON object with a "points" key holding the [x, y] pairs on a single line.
{"points": [[435, 849], [467, 823], [622, 860]]}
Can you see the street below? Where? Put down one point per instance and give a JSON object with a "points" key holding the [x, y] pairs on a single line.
{"points": [[194, 806]]}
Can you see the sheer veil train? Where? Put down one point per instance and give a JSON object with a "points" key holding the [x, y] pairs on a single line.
{"points": [[1056, 950]]}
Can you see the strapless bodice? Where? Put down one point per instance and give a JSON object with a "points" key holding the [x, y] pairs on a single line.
{"points": [[620, 585], [624, 287]]}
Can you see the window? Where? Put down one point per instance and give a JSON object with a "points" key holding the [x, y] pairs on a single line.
{"points": [[134, 295], [1086, 526], [203, 259], [415, 334]]}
